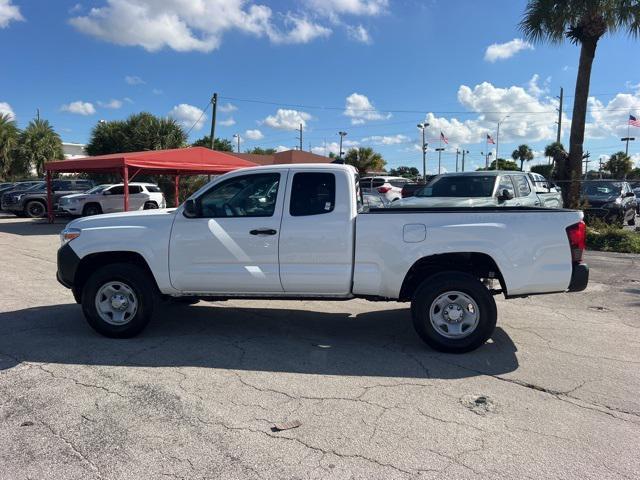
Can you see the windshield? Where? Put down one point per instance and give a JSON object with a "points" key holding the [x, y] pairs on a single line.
{"points": [[602, 188], [459, 186], [36, 186], [97, 189]]}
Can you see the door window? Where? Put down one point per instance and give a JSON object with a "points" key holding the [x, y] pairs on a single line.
{"points": [[135, 189], [119, 190], [245, 196], [312, 194], [506, 184], [523, 186]]}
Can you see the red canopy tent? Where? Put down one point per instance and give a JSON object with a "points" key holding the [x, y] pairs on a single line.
{"points": [[177, 162]]}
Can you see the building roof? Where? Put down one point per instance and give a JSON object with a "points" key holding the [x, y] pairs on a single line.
{"points": [[180, 161], [288, 156]]}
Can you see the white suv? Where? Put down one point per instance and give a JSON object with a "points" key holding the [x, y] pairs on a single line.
{"points": [[388, 187], [110, 199]]}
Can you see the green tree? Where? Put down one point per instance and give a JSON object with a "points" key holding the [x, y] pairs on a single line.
{"points": [[546, 170], [583, 22], [634, 174], [262, 151], [9, 135], [140, 132], [501, 164], [39, 143], [523, 153], [365, 159], [407, 172], [220, 144], [619, 165]]}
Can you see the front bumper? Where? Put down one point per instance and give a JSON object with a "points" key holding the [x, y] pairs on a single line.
{"points": [[68, 262], [579, 277]]}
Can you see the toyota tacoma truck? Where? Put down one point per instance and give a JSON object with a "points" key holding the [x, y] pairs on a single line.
{"points": [[301, 232]]}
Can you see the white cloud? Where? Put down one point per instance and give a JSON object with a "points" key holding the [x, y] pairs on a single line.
{"points": [[184, 25], [359, 34], [502, 51], [157, 91], [9, 13], [79, 108], [286, 119], [188, 116], [535, 89], [386, 139], [336, 8], [227, 108], [282, 148], [113, 104], [6, 109], [229, 122], [254, 134], [334, 147], [612, 119], [360, 109], [134, 80]]}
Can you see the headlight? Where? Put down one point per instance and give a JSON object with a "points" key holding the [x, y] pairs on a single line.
{"points": [[69, 234]]}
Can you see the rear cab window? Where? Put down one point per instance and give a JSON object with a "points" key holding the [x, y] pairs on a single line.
{"points": [[312, 193], [522, 185]]}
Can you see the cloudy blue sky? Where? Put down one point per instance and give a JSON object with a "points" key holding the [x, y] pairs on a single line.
{"points": [[373, 68]]}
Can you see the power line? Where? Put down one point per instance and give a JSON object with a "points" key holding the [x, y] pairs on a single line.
{"points": [[204, 109]]}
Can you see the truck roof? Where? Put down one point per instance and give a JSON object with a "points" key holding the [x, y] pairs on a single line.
{"points": [[321, 166], [484, 173]]}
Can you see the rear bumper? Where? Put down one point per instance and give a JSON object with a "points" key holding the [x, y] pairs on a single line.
{"points": [[579, 277], [68, 263]]}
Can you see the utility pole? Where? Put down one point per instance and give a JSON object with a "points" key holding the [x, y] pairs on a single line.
{"points": [[586, 161], [600, 169], [340, 152], [423, 126], [300, 137], [457, 153], [214, 104], [561, 97], [463, 154], [237, 135], [627, 140], [440, 150]]}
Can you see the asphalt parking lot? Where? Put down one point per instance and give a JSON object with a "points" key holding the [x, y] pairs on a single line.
{"points": [[555, 394]]}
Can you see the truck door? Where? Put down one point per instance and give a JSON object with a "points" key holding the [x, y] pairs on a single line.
{"points": [[232, 244], [316, 240]]}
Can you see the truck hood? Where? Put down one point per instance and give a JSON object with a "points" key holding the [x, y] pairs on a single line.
{"points": [[79, 196], [445, 202], [135, 218]]}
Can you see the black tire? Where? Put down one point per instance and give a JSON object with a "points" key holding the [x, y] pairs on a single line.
{"points": [[150, 205], [135, 278], [91, 209], [437, 285], [35, 209]]}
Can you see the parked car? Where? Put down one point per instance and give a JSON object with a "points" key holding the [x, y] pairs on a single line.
{"points": [[476, 189], [549, 194], [110, 199], [15, 187], [33, 201], [409, 189], [371, 200], [390, 187], [294, 231], [611, 200], [636, 190]]}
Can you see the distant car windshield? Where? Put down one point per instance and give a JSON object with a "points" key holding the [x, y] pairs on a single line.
{"points": [[36, 186], [459, 186], [97, 189], [601, 188]]}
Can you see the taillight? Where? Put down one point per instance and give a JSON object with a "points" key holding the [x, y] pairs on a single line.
{"points": [[383, 189], [577, 235]]}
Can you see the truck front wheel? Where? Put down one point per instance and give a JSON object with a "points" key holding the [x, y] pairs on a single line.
{"points": [[118, 300], [453, 312]]}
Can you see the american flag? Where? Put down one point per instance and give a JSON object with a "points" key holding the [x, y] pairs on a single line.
{"points": [[490, 140], [443, 138], [633, 121]]}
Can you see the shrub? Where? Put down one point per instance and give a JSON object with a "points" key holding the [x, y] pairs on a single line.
{"points": [[611, 238]]}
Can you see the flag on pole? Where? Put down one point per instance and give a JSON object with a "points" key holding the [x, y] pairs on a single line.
{"points": [[490, 140], [633, 121], [443, 138]]}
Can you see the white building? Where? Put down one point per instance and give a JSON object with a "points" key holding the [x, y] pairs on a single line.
{"points": [[73, 150]]}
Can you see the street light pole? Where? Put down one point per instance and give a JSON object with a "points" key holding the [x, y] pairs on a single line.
{"points": [[464, 152], [440, 150], [340, 152], [423, 126], [237, 135], [498, 135]]}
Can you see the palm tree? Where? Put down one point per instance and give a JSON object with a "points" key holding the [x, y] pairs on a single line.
{"points": [[365, 160], [9, 134], [522, 153], [583, 22], [39, 143]]}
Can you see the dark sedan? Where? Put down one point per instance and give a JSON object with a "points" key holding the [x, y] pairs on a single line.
{"points": [[613, 201]]}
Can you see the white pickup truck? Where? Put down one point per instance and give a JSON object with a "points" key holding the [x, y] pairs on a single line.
{"points": [[300, 232]]}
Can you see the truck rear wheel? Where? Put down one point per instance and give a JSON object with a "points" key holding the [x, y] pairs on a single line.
{"points": [[118, 300], [453, 312]]}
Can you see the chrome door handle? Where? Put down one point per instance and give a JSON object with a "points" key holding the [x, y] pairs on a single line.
{"points": [[263, 231]]}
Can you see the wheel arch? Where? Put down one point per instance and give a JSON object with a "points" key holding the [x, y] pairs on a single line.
{"points": [[480, 265]]}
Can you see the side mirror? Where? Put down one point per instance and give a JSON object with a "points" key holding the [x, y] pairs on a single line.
{"points": [[190, 209], [630, 194], [505, 195], [107, 192]]}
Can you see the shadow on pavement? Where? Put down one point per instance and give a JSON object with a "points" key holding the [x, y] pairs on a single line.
{"points": [[379, 343], [28, 226]]}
